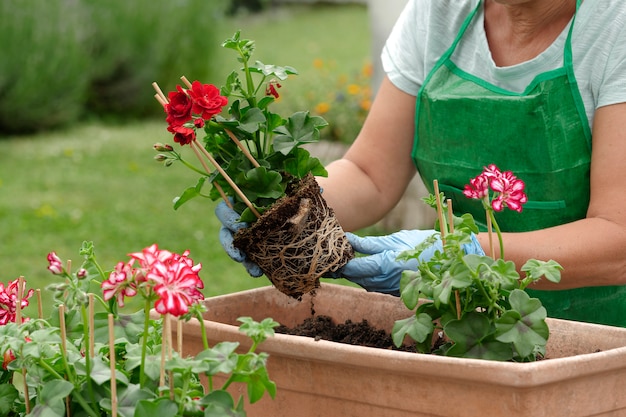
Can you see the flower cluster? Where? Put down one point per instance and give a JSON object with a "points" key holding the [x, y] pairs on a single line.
{"points": [[172, 277], [475, 303], [250, 153], [188, 109], [508, 189], [91, 359]]}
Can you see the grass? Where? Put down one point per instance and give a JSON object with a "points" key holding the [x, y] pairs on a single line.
{"points": [[99, 182]]}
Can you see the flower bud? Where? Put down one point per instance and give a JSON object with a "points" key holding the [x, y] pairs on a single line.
{"points": [[160, 147], [55, 265], [81, 274], [160, 157]]}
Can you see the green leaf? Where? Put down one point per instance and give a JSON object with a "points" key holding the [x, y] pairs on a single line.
{"points": [[127, 399], [524, 326], [280, 72], [162, 406], [301, 163], [410, 288], [251, 120], [257, 331], [472, 335], [260, 183], [220, 358], [419, 327], [189, 193], [8, 394], [537, 269], [300, 128], [220, 403]]}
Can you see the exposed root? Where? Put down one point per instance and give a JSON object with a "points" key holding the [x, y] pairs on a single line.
{"points": [[297, 241]]}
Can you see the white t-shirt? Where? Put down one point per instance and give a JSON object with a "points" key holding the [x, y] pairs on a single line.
{"points": [[427, 28]]}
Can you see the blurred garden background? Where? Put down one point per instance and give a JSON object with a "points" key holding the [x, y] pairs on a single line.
{"points": [[78, 119]]}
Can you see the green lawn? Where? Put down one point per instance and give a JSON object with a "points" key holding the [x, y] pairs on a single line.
{"points": [[99, 182]]}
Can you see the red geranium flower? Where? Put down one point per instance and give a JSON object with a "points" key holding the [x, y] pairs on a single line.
{"points": [[206, 99], [182, 134], [179, 107]]}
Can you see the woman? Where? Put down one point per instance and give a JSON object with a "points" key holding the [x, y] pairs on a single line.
{"points": [[525, 85]]}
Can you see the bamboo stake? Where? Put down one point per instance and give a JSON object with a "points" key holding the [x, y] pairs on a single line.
{"points": [[159, 93], [112, 366], [442, 224], [170, 375], [197, 147], [457, 295], [64, 340], [18, 321], [186, 81], [166, 318], [245, 150]]}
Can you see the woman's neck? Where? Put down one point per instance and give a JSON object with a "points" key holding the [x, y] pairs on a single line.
{"points": [[519, 30]]}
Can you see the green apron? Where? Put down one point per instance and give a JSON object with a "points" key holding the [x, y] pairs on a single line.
{"points": [[542, 135]]}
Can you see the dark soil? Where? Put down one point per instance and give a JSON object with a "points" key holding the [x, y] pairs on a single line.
{"points": [[360, 334]]}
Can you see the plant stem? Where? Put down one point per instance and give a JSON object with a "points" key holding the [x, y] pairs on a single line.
{"points": [[79, 398], [498, 232], [146, 312], [88, 352]]}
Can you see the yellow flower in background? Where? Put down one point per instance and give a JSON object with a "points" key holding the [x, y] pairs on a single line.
{"points": [[354, 89], [318, 63], [366, 105], [322, 107]]}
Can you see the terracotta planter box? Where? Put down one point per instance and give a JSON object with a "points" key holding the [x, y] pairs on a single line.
{"points": [[585, 374]]}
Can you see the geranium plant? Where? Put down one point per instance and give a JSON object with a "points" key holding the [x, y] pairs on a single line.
{"points": [[258, 149], [476, 306], [91, 359], [253, 159]]}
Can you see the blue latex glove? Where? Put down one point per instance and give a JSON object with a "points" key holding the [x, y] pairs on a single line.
{"points": [[230, 225], [381, 272]]}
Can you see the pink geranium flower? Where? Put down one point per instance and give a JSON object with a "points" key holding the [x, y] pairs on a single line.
{"points": [[8, 301], [177, 284], [508, 189], [121, 283]]}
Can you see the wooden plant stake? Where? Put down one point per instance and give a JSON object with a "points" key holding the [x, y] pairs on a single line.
{"points": [[18, 321], [442, 224], [112, 366], [457, 296], [166, 318]]}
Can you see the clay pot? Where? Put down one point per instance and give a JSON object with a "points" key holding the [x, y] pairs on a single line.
{"points": [[583, 375]]}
